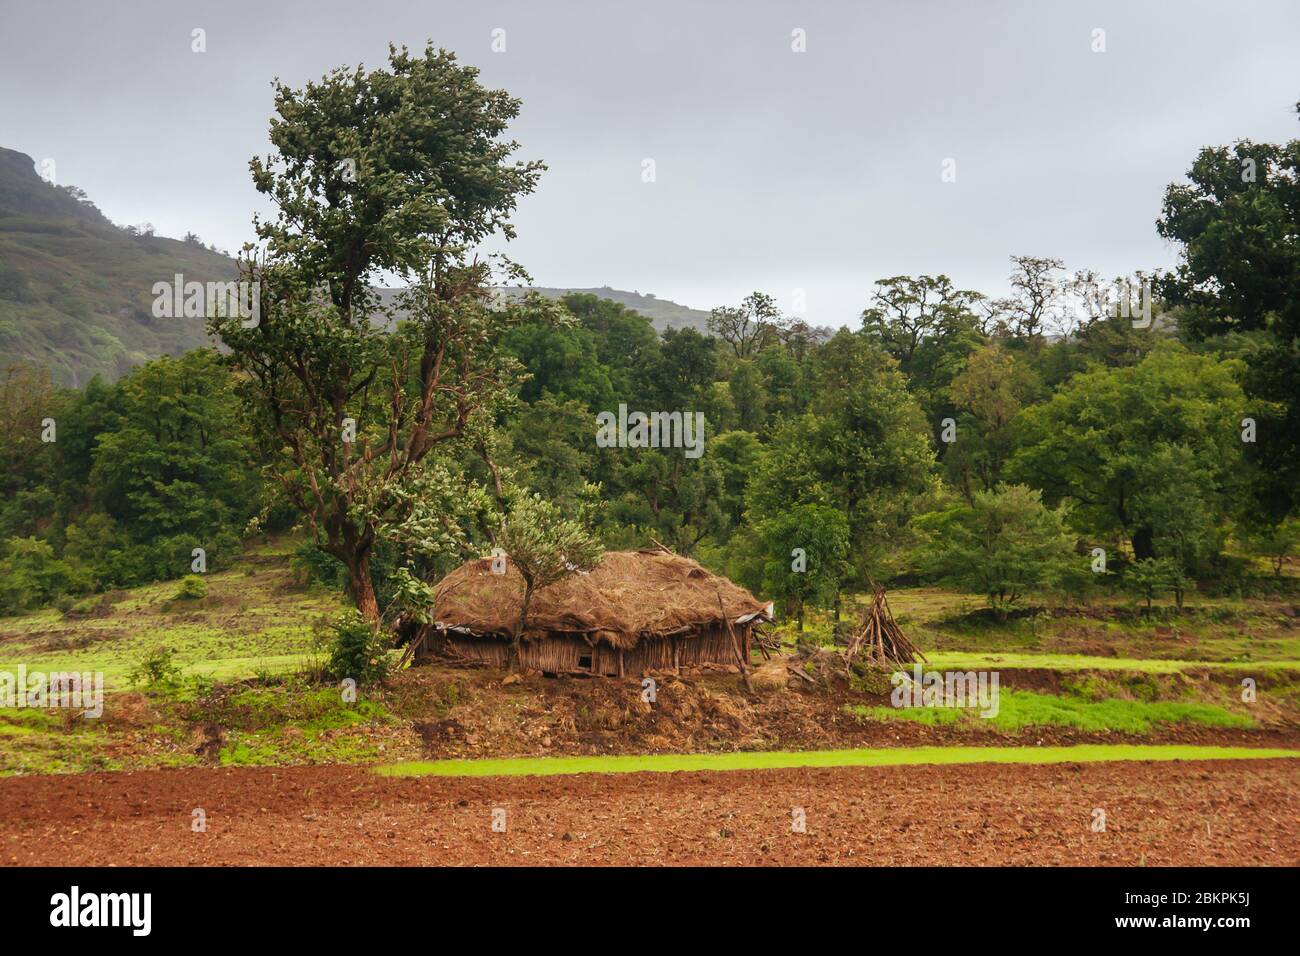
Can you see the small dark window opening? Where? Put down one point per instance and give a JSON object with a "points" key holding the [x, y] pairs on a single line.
{"points": [[585, 662]]}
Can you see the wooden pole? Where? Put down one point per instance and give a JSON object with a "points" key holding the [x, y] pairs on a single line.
{"points": [[740, 660]]}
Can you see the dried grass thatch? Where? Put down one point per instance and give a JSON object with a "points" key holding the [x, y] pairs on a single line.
{"points": [[629, 595]]}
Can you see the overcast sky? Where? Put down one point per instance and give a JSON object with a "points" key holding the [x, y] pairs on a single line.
{"points": [[775, 170]]}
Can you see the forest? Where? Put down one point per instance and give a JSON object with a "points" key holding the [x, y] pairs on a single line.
{"points": [[1081, 435]]}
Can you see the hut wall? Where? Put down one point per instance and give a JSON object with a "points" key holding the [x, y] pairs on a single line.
{"points": [[568, 654]]}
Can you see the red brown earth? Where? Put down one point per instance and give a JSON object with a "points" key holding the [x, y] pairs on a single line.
{"points": [[1243, 812]]}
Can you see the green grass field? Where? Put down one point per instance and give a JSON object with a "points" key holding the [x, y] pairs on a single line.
{"points": [[993, 660], [252, 622], [772, 760], [1018, 710]]}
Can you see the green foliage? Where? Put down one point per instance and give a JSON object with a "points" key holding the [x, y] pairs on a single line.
{"points": [[988, 395], [354, 649], [929, 327], [363, 423], [545, 545], [31, 576], [193, 588], [157, 669], [1112, 440], [178, 462], [1005, 544], [1237, 222], [1152, 577], [468, 404], [863, 449], [1275, 542], [805, 552]]}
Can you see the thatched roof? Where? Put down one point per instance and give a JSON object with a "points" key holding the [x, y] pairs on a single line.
{"points": [[627, 596]]}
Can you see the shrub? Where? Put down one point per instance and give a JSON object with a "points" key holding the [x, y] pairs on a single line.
{"points": [[354, 649], [193, 588], [158, 668], [1152, 577]]}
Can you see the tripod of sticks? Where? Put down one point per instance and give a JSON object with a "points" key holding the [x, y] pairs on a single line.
{"points": [[879, 639]]}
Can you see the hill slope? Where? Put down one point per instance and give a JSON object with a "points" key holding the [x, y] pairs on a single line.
{"points": [[75, 290], [662, 313]]}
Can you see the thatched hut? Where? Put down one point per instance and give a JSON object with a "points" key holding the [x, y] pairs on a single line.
{"points": [[635, 611]]}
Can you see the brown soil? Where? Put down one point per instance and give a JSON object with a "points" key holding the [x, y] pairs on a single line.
{"points": [[468, 713], [1193, 813]]}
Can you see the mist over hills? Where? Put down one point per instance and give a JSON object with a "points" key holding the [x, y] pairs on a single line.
{"points": [[76, 289]]}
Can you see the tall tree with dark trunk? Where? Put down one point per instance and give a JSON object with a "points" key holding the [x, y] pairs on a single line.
{"points": [[1237, 222], [401, 172]]}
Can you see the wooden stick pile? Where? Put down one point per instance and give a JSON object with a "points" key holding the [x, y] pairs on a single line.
{"points": [[879, 639]]}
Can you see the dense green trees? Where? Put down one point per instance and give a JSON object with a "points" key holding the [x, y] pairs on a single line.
{"points": [[863, 448], [988, 443], [1005, 544], [1237, 220], [131, 479], [1113, 441]]}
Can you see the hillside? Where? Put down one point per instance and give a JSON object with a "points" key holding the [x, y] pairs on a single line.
{"points": [[663, 313], [75, 290]]}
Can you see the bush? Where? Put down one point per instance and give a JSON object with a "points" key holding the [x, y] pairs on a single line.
{"points": [[193, 588], [1152, 577], [354, 650], [31, 576], [158, 668]]}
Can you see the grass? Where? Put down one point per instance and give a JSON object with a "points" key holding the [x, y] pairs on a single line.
{"points": [[1227, 631], [1018, 709], [240, 646], [770, 760], [252, 622], [992, 660]]}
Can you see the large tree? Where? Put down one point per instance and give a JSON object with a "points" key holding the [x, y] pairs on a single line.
{"points": [[402, 172], [1005, 544], [748, 327], [1237, 221], [862, 448], [930, 327], [1111, 440]]}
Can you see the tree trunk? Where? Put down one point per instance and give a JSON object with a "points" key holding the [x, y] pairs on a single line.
{"points": [[1143, 544], [362, 589], [518, 643]]}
